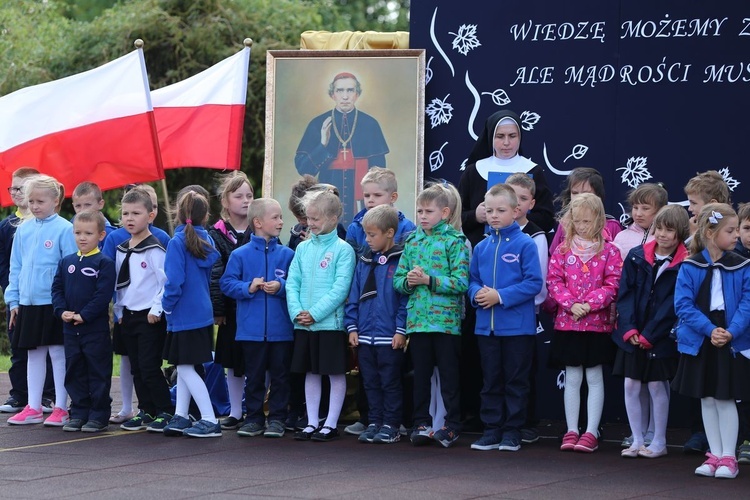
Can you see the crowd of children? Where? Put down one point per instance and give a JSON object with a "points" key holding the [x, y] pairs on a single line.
{"points": [[665, 302]]}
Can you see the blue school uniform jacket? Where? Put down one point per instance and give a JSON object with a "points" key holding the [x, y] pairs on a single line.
{"points": [[186, 300], [38, 246], [694, 327], [508, 261], [645, 307], [376, 315], [84, 284], [260, 316], [356, 237]]}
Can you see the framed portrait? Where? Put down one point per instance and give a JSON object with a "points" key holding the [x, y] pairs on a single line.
{"points": [[335, 114]]}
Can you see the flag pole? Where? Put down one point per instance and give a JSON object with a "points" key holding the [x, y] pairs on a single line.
{"points": [[168, 211]]}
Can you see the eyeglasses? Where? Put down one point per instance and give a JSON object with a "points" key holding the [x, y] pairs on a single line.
{"points": [[13, 190]]}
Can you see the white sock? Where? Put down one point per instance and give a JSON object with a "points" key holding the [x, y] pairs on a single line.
{"points": [[711, 426], [126, 386], [196, 388], [659, 397], [182, 398], [595, 404], [313, 389], [336, 401], [36, 372], [572, 396], [57, 356], [236, 389], [646, 416], [728, 426], [634, 408]]}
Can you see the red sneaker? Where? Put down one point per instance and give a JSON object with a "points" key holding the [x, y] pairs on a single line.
{"points": [[569, 441], [587, 444]]}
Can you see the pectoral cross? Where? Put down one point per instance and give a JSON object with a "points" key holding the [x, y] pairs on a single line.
{"points": [[344, 151]]}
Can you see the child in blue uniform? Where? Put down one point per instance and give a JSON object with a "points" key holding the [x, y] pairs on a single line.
{"points": [[255, 277], [505, 277], [187, 306], [81, 294], [376, 322]]}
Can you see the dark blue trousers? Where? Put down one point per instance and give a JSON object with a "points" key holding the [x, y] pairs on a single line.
{"points": [[506, 367], [144, 344], [380, 368], [276, 359], [88, 375], [429, 350]]}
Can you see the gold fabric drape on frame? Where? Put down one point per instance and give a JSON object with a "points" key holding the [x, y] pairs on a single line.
{"points": [[353, 40]]}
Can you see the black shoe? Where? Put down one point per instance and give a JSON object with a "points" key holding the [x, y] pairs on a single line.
{"points": [[12, 405], [305, 434], [47, 405], [230, 423], [332, 434]]}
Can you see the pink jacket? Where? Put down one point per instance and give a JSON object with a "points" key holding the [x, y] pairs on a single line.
{"points": [[630, 238], [596, 283]]}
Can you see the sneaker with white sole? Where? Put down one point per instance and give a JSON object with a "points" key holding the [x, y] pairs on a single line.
{"points": [[369, 434], [204, 429], [421, 435], [486, 442], [27, 416], [446, 436], [11, 405], [138, 423], [708, 468], [387, 435], [58, 418], [47, 405], [274, 429], [727, 468], [176, 426], [510, 444]]}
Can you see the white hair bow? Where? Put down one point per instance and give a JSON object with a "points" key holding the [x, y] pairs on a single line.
{"points": [[715, 217]]}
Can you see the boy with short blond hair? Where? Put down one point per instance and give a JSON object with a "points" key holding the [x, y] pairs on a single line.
{"points": [[379, 187], [505, 277], [87, 196], [255, 277], [376, 322], [705, 187]]}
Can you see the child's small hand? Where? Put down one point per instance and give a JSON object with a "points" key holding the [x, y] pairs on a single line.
{"points": [[417, 277], [256, 283], [720, 337], [635, 340], [399, 341], [152, 319], [12, 319], [353, 339], [579, 311], [271, 287], [487, 297], [220, 320], [481, 213], [77, 319], [305, 319], [67, 316]]}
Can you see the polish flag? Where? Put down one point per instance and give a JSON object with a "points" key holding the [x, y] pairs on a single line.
{"points": [[199, 120], [95, 126]]}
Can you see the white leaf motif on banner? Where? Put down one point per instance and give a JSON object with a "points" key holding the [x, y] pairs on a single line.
{"points": [[561, 379], [436, 158], [463, 164], [475, 108], [539, 327], [732, 183], [579, 151], [635, 171], [624, 216], [466, 38], [529, 119], [435, 42], [439, 111], [499, 97], [549, 165], [428, 72]]}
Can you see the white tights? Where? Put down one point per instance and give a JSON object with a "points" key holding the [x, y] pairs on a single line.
{"points": [[189, 383], [572, 397], [313, 389], [36, 372], [236, 389], [659, 399], [721, 423]]}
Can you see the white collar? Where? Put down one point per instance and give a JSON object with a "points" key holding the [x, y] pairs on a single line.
{"points": [[512, 165]]}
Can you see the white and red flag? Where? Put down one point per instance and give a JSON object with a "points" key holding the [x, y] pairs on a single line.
{"points": [[94, 126], [199, 120]]}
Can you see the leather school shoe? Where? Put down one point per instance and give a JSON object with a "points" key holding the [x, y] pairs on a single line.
{"points": [[332, 434], [305, 434]]}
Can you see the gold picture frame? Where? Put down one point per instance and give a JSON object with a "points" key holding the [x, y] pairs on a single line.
{"points": [[299, 86]]}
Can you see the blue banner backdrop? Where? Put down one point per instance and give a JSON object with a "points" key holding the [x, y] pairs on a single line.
{"points": [[642, 90]]}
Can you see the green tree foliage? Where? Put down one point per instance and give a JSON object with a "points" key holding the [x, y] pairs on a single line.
{"points": [[42, 40]]}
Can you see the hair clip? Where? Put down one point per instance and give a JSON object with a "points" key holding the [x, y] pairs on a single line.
{"points": [[715, 217]]}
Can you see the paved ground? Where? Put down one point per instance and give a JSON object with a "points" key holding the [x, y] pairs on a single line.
{"points": [[38, 462]]}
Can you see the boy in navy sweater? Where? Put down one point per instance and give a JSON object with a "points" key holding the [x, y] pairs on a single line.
{"points": [[504, 278], [81, 293], [255, 277], [376, 322]]}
